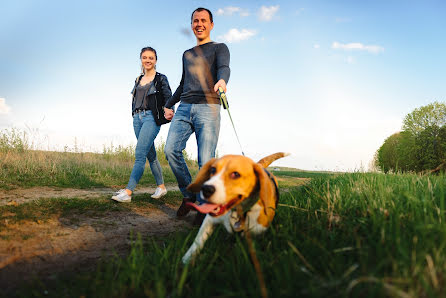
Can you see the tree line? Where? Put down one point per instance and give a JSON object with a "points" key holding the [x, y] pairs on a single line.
{"points": [[420, 146]]}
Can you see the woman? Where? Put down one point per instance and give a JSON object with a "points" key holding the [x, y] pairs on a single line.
{"points": [[150, 92]]}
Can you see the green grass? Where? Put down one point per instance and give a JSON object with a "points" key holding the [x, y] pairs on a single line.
{"points": [[302, 174], [43, 209], [346, 235], [76, 170], [340, 235]]}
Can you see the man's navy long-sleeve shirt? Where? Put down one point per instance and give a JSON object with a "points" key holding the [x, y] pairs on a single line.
{"points": [[203, 67]]}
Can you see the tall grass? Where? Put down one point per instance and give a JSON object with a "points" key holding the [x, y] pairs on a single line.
{"points": [[21, 166], [348, 235], [13, 140]]}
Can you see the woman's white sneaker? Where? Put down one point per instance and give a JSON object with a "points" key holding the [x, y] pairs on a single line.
{"points": [[159, 192], [122, 196]]}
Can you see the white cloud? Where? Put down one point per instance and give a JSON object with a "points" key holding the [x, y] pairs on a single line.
{"points": [[350, 60], [235, 35], [374, 49], [316, 46], [267, 13], [230, 10], [4, 108]]}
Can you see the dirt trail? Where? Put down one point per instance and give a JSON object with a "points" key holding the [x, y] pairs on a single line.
{"points": [[23, 195], [30, 249]]}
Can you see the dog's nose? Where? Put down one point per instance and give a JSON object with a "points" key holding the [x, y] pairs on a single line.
{"points": [[207, 190]]}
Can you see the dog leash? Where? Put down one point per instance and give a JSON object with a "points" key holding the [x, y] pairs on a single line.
{"points": [[224, 102]]}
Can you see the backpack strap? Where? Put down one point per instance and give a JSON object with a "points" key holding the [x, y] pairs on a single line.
{"points": [[137, 80]]}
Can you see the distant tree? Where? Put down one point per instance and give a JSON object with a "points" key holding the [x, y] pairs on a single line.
{"points": [[426, 144], [430, 147], [442, 148], [421, 146], [442, 143], [388, 155], [406, 152], [425, 116]]}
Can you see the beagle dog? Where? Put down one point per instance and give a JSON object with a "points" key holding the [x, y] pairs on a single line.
{"points": [[238, 193]]}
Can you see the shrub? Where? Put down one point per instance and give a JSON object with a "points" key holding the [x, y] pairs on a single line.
{"points": [[13, 140]]}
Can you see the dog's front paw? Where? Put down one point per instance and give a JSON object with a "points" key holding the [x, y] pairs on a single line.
{"points": [[186, 259]]}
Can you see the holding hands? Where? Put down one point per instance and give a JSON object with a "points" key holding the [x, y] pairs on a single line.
{"points": [[168, 113]]}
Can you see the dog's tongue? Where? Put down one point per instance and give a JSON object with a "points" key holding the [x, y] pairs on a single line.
{"points": [[203, 208]]}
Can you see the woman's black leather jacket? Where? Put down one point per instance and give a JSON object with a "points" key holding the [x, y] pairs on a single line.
{"points": [[155, 98]]}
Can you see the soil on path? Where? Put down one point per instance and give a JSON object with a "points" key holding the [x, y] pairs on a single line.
{"points": [[23, 195], [42, 249]]}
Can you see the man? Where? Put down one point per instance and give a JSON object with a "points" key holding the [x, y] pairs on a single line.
{"points": [[205, 69]]}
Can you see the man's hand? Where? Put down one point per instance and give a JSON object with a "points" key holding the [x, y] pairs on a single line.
{"points": [[221, 83], [168, 113]]}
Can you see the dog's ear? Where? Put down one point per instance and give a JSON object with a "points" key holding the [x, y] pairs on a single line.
{"points": [[202, 176], [267, 192]]}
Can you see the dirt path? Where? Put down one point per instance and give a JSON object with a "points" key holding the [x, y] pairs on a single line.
{"points": [[23, 195], [30, 249]]}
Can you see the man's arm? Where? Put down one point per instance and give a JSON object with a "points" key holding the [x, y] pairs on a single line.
{"points": [[168, 107], [176, 96], [223, 70]]}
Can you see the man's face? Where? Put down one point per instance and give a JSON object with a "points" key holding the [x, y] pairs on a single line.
{"points": [[201, 25]]}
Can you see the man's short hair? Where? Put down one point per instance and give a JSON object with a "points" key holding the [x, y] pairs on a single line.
{"points": [[201, 9]]}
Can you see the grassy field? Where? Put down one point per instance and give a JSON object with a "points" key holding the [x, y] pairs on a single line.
{"points": [[349, 235], [339, 235], [24, 168]]}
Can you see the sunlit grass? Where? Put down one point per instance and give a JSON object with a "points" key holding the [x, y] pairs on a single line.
{"points": [[338, 235], [346, 235], [21, 166]]}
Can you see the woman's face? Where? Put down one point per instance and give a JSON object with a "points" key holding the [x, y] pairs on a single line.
{"points": [[148, 60]]}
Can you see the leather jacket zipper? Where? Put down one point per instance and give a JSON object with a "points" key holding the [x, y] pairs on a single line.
{"points": [[156, 101]]}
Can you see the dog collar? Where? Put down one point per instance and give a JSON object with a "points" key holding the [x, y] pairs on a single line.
{"points": [[275, 184]]}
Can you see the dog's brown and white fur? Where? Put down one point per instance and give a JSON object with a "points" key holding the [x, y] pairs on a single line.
{"points": [[240, 194]]}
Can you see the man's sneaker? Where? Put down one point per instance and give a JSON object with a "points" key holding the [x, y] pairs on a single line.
{"points": [[122, 196], [184, 209], [159, 192]]}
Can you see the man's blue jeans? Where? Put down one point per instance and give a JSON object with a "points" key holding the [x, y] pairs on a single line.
{"points": [[204, 120], [146, 131]]}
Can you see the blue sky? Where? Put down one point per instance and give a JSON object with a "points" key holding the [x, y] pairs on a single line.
{"points": [[327, 81]]}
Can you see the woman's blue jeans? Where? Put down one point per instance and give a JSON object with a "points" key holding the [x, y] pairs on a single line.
{"points": [[204, 120], [146, 131]]}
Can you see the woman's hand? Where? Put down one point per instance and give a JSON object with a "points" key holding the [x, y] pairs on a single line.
{"points": [[168, 113]]}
